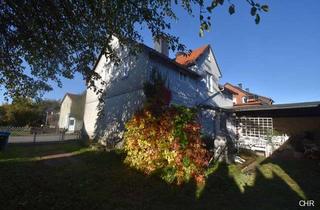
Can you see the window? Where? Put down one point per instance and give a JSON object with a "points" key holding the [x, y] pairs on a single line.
{"points": [[234, 100], [71, 122], [209, 81], [244, 99]]}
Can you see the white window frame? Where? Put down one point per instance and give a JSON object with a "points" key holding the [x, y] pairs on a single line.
{"points": [[234, 100], [209, 81], [244, 99]]}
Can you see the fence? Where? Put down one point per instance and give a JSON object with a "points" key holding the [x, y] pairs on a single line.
{"points": [[38, 134]]}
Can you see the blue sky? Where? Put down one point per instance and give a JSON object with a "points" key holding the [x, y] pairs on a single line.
{"points": [[279, 58]]}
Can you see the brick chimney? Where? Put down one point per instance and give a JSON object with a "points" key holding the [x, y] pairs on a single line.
{"points": [[161, 45]]}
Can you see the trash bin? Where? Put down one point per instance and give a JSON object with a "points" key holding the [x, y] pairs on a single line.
{"points": [[4, 136]]}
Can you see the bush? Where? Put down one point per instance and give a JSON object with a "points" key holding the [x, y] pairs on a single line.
{"points": [[165, 139], [168, 143]]}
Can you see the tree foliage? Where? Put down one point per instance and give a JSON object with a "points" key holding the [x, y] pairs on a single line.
{"points": [[26, 112], [165, 139], [42, 41], [168, 144]]}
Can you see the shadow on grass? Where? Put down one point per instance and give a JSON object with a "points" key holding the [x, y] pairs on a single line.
{"points": [[99, 180], [24, 151]]}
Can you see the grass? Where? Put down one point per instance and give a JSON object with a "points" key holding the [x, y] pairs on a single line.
{"points": [[91, 179]]}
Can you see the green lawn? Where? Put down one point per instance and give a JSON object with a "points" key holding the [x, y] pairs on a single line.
{"points": [[91, 179]]}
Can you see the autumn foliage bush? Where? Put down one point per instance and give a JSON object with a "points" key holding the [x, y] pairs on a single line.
{"points": [[166, 142]]}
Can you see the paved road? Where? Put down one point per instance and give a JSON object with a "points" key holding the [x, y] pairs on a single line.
{"points": [[41, 138]]}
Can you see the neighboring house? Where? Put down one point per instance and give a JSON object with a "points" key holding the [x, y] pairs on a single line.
{"points": [[52, 118], [192, 79], [71, 112], [241, 97]]}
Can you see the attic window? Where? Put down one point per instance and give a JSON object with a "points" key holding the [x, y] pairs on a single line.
{"points": [[244, 99]]}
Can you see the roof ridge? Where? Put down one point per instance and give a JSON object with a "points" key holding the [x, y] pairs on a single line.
{"points": [[249, 93]]}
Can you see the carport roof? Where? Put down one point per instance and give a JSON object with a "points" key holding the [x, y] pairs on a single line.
{"points": [[305, 109], [279, 106]]}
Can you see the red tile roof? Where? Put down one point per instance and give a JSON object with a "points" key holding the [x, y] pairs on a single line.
{"points": [[189, 59], [236, 90]]}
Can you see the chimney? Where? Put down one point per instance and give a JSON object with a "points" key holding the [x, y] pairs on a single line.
{"points": [[161, 45], [247, 89], [240, 85]]}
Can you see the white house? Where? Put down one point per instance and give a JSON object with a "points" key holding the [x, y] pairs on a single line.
{"points": [[193, 80], [71, 112]]}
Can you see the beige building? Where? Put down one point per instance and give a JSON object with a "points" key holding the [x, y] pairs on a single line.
{"points": [[71, 112]]}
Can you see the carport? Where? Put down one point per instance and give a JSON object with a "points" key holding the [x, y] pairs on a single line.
{"points": [[293, 118], [265, 128]]}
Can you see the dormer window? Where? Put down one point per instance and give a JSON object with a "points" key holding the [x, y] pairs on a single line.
{"points": [[234, 100], [244, 99]]}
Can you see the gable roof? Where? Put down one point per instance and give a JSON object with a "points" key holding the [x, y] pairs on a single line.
{"points": [[73, 96], [180, 63], [244, 91], [191, 58]]}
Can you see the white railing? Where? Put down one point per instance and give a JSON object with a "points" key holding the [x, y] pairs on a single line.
{"points": [[262, 144]]}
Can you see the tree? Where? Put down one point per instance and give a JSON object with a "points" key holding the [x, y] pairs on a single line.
{"points": [[21, 112], [48, 105], [42, 41], [26, 112]]}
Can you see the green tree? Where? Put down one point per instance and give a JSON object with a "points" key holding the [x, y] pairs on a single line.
{"points": [[42, 41], [22, 112], [26, 112], [48, 105], [3, 114]]}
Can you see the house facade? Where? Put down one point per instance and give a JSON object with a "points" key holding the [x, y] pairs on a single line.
{"points": [[192, 78], [71, 112], [241, 97]]}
